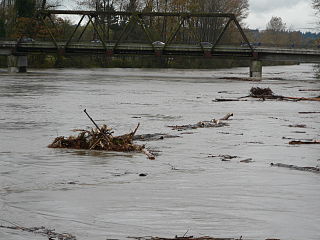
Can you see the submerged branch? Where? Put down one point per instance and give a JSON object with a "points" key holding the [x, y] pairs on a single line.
{"points": [[309, 169], [204, 124], [49, 233]]}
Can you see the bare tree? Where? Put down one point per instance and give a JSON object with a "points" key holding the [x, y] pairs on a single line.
{"points": [[316, 5]]}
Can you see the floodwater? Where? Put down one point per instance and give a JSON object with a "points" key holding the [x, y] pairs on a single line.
{"points": [[97, 195]]}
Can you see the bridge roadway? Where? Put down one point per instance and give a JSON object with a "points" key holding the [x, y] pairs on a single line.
{"points": [[17, 53], [260, 53]]}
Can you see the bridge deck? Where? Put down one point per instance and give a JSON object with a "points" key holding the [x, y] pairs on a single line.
{"points": [[262, 53]]}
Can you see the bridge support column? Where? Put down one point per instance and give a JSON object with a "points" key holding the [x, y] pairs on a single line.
{"points": [[17, 64], [256, 69]]}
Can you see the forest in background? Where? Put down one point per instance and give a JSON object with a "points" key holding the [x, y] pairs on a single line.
{"points": [[18, 20]]}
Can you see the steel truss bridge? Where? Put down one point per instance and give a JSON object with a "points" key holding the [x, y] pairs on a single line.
{"points": [[168, 47]]}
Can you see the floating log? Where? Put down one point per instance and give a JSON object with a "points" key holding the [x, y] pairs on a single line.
{"points": [[309, 112], [248, 160], [297, 126], [227, 100], [153, 137], [204, 124], [309, 169], [297, 142], [184, 238], [317, 99], [309, 90]]}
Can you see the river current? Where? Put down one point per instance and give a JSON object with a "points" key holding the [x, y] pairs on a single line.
{"points": [[100, 195]]}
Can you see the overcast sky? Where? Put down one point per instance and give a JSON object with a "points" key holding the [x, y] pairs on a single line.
{"points": [[297, 14]]}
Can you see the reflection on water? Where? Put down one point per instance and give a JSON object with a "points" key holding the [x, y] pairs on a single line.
{"points": [[99, 195]]}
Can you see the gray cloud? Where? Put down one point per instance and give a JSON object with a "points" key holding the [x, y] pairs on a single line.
{"points": [[258, 6], [297, 14]]}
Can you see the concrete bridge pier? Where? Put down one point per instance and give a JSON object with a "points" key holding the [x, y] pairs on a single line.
{"points": [[17, 64], [256, 69]]}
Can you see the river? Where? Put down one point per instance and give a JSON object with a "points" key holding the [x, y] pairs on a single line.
{"points": [[98, 195]]}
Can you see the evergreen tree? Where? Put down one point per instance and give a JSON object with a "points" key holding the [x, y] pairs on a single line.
{"points": [[2, 28], [25, 8]]}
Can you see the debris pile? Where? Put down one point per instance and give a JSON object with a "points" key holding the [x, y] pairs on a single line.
{"points": [[101, 138], [260, 92], [266, 93], [98, 139]]}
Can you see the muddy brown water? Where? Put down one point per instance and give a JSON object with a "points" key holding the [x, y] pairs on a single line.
{"points": [[99, 195]]}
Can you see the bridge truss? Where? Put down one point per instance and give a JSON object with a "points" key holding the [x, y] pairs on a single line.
{"points": [[144, 20]]}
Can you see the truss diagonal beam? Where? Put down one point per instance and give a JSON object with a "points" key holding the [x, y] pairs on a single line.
{"points": [[174, 34], [242, 33], [124, 31], [140, 21], [222, 33], [74, 31], [97, 31], [49, 31], [83, 31]]}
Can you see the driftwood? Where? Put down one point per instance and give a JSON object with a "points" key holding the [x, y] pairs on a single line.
{"points": [[309, 112], [298, 126], [184, 238], [204, 124], [153, 137], [309, 90], [241, 79], [224, 158], [309, 169], [227, 158], [230, 99], [266, 93], [298, 142], [50, 234], [101, 138]]}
